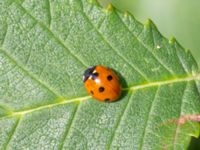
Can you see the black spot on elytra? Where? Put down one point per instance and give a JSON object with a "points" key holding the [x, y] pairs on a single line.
{"points": [[92, 92], [101, 89], [109, 78], [107, 99]]}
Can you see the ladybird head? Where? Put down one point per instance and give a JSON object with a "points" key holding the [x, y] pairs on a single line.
{"points": [[88, 72]]}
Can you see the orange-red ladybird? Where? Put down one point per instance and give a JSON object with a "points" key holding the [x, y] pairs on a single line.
{"points": [[102, 83]]}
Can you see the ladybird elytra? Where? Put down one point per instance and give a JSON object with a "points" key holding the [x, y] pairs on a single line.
{"points": [[102, 83]]}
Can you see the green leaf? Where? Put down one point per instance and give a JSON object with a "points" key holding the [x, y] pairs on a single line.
{"points": [[44, 48]]}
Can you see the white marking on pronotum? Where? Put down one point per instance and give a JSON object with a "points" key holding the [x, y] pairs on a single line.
{"points": [[90, 77], [94, 71]]}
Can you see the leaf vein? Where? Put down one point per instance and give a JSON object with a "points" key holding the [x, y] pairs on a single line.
{"points": [[181, 59], [147, 48], [67, 130], [119, 122], [180, 113], [5, 34], [13, 132], [29, 74], [53, 35], [49, 9], [148, 119], [114, 49]]}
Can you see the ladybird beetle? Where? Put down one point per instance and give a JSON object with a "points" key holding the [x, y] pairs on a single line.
{"points": [[102, 83]]}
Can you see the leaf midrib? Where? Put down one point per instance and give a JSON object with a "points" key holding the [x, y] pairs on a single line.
{"points": [[64, 101], [83, 98]]}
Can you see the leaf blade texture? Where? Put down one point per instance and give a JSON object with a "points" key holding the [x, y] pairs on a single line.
{"points": [[45, 47]]}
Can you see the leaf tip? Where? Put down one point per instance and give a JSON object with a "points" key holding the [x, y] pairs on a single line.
{"points": [[187, 50], [109, 7], [148, 23], [172, 40], [126, 14]]}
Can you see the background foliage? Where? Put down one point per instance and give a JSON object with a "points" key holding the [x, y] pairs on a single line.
{"points": [[179, 18]]}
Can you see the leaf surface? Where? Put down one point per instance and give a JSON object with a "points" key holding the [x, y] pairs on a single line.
{"points": [[44, 48]]}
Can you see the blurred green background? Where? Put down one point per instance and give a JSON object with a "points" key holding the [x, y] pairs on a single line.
{"points": [[178, 18]]}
